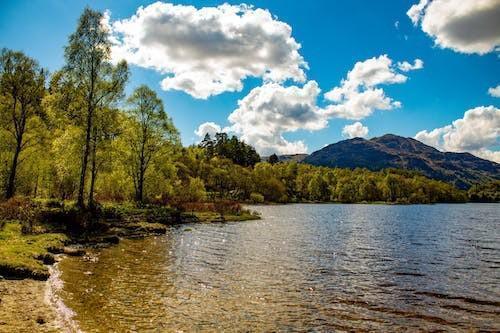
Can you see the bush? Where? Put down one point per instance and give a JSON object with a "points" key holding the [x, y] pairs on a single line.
{"points": [[21, 209], [256, 197], [227, 207], [219, 206]]}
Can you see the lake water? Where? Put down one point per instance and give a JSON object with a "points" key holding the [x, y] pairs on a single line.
{"points": [[302, 267]]}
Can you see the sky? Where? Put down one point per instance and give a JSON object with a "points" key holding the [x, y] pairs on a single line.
{"points": [[294, 76]]}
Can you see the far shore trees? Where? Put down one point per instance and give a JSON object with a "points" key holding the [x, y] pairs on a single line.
{"points": [[22, 87], [99, 83], [150, 131]]}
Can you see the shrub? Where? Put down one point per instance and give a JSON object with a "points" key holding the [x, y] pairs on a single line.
{"points": [[256, 197], [219, 206], [227, 207], [21, 209]]}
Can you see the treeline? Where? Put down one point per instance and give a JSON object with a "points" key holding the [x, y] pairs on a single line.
{"points": [[74, 135], [487, 192], [297, 182]]}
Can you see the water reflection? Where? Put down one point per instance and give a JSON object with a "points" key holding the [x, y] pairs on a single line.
{"points": [[303, 267]]}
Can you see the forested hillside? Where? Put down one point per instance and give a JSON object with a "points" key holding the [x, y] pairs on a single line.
{"points": [[392, 151]]}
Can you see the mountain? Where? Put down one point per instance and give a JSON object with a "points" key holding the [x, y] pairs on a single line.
{"points": [[293, 157], [392, 151], [287, 158]]}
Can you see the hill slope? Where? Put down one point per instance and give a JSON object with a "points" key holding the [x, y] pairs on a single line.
{"points": [[392, 151]]}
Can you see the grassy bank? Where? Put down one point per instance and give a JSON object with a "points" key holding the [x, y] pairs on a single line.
{"points": [[25, 256]]}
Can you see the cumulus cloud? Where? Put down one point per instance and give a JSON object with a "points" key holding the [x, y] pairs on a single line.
{"points": [[272, 110], [359, 96], [269, 111], [355, 130], [468, 26], [476, 132], [210, 50], [494, 91], [405, 66], [210, 128]]}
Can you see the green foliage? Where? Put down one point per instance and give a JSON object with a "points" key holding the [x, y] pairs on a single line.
{"points": [[22, 87], [235, 150], [149, 132], [487, 192], [94, 84], [256, 197]]}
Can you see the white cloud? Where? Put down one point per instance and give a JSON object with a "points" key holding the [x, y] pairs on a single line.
{"points": [[468, 26], [269, 111], [416, 11], [359, 96], [209, 127], [488, 154], [210, 50], [405, 66], [494, 91], [355, 130], [476, 132]]}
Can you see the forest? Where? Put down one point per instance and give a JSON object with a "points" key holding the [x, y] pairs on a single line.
{"points": [[73, 135]]}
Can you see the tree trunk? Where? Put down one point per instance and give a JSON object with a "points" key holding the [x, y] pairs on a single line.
{"points": [[142, 167], [139, 197], [93, 175], [11, 185], [85, 158]]}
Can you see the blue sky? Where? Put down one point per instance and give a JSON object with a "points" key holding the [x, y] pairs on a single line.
{"points": [[334, 35]]}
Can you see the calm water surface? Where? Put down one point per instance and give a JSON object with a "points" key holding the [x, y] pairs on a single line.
{"points": [[302, 267]]}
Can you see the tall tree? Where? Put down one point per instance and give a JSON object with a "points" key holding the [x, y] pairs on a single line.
{"points": [[22, 87], [151, 130], [98, 81], [208, 144], [273, 159]]}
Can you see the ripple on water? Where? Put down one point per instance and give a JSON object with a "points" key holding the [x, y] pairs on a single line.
{"points": [[302, 267]]}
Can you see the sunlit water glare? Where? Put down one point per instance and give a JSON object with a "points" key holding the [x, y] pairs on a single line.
{"points": [[302, 267]]}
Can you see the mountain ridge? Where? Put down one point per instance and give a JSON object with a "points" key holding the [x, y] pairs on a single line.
{"points": [[393, 151]]}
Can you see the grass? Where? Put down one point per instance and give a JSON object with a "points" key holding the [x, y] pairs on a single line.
{"points": [[19, 253]]}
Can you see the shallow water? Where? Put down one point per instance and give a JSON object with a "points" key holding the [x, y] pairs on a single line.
{"points": [[302, 267]]}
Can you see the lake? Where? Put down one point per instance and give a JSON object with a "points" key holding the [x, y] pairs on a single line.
{"points": [[316, 267]]}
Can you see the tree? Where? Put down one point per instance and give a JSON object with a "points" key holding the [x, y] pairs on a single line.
{"points": [[104, 131], [150, 131], [208, 144], [98, 82], [232, 148], [273, 159], [318, 188], [22, 87]]}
